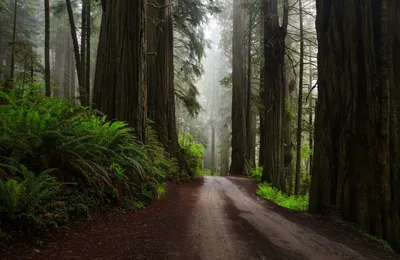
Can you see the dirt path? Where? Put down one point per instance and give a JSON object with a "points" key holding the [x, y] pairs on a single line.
{"points": [[213, 218]]}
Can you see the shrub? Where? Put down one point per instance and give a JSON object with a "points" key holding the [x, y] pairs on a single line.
{"points": [[193, 152], [95, 163], [256, 173], [288, 201]]}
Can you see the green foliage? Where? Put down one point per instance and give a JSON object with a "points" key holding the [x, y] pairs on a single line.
{"points": [[193, 151], [207, 172], [256, 173], [94, 163], [288, 201], [364, 232]]}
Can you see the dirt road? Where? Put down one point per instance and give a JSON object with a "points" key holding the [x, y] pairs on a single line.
{"points": [[213, 218]]}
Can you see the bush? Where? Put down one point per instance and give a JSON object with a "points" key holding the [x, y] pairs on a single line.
{"points": [[284, 200], [193, 152], [94, 163], [256, 173]]}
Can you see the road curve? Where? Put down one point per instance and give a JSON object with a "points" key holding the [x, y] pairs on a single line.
{"points": [[212, 218], [227, 223]]}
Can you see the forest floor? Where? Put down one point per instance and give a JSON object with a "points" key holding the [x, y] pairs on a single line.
{"points": [[211, 218]]}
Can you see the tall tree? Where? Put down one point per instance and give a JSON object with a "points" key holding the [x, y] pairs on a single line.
{"points": [[160, 83], [83, 93], [14, 43], [272, 92], [120, 89], [239, 137], [47, 47], [356, 152], [300, 103]]}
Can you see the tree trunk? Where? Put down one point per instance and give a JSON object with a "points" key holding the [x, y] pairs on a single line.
{"points": [[88, 52], [287, 133], [160, 84], [83, 90], [249, 115], [272, 92], [47, 47], [356, 154], [75, 44], [300, 104], [213, 159], [120, 89], [311, 111], [13, 46], [239, 135]]}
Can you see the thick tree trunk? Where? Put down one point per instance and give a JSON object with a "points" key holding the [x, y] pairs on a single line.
{"points": [[160, 71], [249, 115], [47, 47], [300, 105], [272, 93], [120, 89], [356, 154], [239, 135]]}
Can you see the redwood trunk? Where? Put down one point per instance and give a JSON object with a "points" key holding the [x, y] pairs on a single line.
{"points": [[239, 135], [120, 89], [356, 153]]}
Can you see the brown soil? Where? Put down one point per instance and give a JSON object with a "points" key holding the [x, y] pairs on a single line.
{"points": [[211, 218]]}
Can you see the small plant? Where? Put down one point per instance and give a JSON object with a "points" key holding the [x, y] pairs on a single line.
{"points": [[288, 201], [256, 173]]}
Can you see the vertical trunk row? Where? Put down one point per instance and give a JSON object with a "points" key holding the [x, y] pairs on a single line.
{"points": [[356, 154], [272, 93], [120, 83], [239, 135], [287, 134]]}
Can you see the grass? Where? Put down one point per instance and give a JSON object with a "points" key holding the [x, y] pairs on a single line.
{"points": [[287, 201]]}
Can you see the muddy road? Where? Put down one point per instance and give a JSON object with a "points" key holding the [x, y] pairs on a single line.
{"points": [[212, 218]]}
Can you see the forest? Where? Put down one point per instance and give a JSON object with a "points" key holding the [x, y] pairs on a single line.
{"points": [[166, 115]]}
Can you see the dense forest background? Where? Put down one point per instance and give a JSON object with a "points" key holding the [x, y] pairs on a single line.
{"points": [[101, 102]]}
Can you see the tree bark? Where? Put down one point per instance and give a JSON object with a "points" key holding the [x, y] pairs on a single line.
{"points": [[75, 44], [83, 94], [120, 89], [249, 115], [311, 111], [13, 45], [88, 52], [160, 84], [47, 47], [356, 154], [272, 92], [300, 104], [239, 135]]}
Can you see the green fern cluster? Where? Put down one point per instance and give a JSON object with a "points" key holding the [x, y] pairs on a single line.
{"points": [[94, 162]]}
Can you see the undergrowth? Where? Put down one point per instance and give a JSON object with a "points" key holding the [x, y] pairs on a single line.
{"points": [[59, 161], [364, 232], [288, 201], [194, 152]]}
